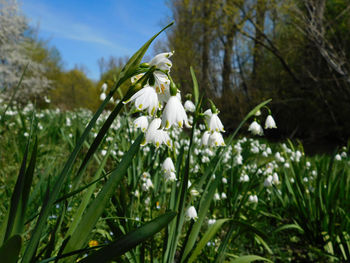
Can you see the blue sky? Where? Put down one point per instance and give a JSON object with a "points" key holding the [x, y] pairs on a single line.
{"points": [[84, 31]]}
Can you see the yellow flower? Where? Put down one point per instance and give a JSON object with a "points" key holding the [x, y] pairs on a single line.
{"points": [[93, 243]]}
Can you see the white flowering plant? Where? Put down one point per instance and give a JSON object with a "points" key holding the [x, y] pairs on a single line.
{"points": [[133, 173]]}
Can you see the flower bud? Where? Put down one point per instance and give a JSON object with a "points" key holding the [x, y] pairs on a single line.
{"points": [[173, 89]]}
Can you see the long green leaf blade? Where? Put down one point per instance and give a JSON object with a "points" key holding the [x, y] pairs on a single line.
{"points": [[97, 207], [207, 236], [9, 252], [130, 240]]}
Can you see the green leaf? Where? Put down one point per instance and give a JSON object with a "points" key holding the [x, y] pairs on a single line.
{"points": [[9, 252], [135, 60], [130, 240], [97, 207], [207, 236], [195, 86], [202, 212], [248, 259], [20, 194], [289, 226]]}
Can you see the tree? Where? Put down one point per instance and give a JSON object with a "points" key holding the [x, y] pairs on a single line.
{"points": [[15, 55]]}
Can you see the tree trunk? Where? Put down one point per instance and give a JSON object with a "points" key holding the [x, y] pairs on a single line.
{"points": [[259, 38]]}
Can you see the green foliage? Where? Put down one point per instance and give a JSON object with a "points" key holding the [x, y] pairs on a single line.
{"points": [[74, 90]]}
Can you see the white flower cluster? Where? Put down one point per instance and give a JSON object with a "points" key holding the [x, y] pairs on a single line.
{"points": [[158, 91], [256, 129], [213, 136]]}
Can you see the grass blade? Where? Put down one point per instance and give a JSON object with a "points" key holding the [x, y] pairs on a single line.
{"points": [[195, 86], [130, 240], [248, 259], [9, 252], [206, 237], [97, 207]]}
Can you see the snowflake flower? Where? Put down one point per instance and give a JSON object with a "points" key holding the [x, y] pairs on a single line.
{"points": [[146, 98], [255, 128], [173, 113], [270, 123]]}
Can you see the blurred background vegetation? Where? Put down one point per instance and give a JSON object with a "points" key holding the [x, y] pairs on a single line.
{"points": [[293, 51]]}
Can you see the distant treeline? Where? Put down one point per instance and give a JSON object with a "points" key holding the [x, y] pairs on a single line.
{"points": [[295, 52]]}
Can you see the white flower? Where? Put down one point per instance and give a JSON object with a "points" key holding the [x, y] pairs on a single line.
{"points": [[103, 96], [146, 98], [169, 169], [215, 139], [161, 61], [46, 99], [205, 138], [275, 178], [191, 213], [141, 122], [147, 185], [255, 128], [224, 180], [211, 221], [223, 196], [207, 115], [161, 83], [216, 197], [253, 199], [215, 123], [155, 135], [239, 159], [338, 157], [168, 165], [189, 106], [268, 181], [173, 113], [103, 152], [104, 87], [270, 123], [194, 192], [258, 113]]}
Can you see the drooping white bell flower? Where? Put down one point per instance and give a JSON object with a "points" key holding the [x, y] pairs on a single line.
{"points": [[191, 213], [103, 96], [104, 87], [147, 185], [211, 221], [207, 115], [216, 197], [141, 122], [253, 199], [173, 113], [255, 128], [216, 139], [223, 195], [155, 135], [270, 123], [161, 61], [205, 138], [146, 98], [169, 169], [215, 123], [168, 165], [189, 106]]}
